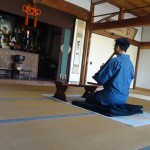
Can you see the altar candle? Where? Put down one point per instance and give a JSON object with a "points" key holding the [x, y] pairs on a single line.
{"points": [[28, 32]]}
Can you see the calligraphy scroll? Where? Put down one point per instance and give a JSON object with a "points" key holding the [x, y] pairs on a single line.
{"points": [[125, 32]]}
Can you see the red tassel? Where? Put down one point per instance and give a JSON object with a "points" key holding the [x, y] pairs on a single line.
{"points": [[26, 20], [35, 22]]}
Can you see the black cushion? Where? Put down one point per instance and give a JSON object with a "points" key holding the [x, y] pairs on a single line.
{"points": [[111, 110]]}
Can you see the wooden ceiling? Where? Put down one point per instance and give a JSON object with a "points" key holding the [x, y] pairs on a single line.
{"points": [[138, 8], [67, 7]]}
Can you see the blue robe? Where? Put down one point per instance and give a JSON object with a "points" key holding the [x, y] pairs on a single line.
{"points": [[115, 76]]}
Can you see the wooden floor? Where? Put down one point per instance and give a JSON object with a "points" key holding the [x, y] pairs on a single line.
{"points": [[30, 121]]}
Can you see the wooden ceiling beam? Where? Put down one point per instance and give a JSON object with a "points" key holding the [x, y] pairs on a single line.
{"points": [[132, 22], [145, 45], [67, 7], [114, 36]]}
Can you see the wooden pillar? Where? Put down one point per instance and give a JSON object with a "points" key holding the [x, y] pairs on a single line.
{"points": [[86, 49], [136, 67], [121, 14]]}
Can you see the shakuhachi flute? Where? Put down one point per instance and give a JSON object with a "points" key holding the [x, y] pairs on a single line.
{"points": [[112, 55], [104, 64], [108, 59]]}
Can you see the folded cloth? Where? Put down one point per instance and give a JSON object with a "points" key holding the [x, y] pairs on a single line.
{"points": [[111, 110]]}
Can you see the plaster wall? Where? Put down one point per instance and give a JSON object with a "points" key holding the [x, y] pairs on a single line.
{"points": [[146, 34], [143, 73]]}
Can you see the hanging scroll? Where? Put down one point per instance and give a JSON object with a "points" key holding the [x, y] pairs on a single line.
{"points": [[78, 47]]}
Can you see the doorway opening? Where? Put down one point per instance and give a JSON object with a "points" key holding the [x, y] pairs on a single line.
{"points": [[50, 51]]}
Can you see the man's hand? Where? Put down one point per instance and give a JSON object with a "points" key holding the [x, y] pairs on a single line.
{"points": [[102, 65]]}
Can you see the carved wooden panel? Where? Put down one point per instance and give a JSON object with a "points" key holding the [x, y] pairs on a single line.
{"points": [[125, 32]]}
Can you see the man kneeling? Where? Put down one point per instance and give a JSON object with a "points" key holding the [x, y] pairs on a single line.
{"points": [[115, 76]]}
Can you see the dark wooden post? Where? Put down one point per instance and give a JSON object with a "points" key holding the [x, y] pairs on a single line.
{"points": [[136, 67], [121, 14], [86, 50]]}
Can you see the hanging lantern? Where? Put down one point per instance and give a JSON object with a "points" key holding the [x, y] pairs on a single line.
{"points": [[31, 9]]}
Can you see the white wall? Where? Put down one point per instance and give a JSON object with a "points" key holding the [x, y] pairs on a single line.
{"points": [[138, 36], [146, 34], [86, 4], [101, 49], [143, 75], [143, 72]]}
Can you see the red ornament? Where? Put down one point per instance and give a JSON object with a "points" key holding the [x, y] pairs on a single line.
{"points": [[31, 10]]}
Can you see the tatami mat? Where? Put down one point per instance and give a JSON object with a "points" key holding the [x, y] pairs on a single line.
{"points": [[144, 97], [133, 120], [144, 103], [30, 108], [141, 92], [79, 133], [65, 128]]}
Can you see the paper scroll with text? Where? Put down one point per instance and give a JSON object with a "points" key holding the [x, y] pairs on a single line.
{"points": [[125, 32], [77, 51]]}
